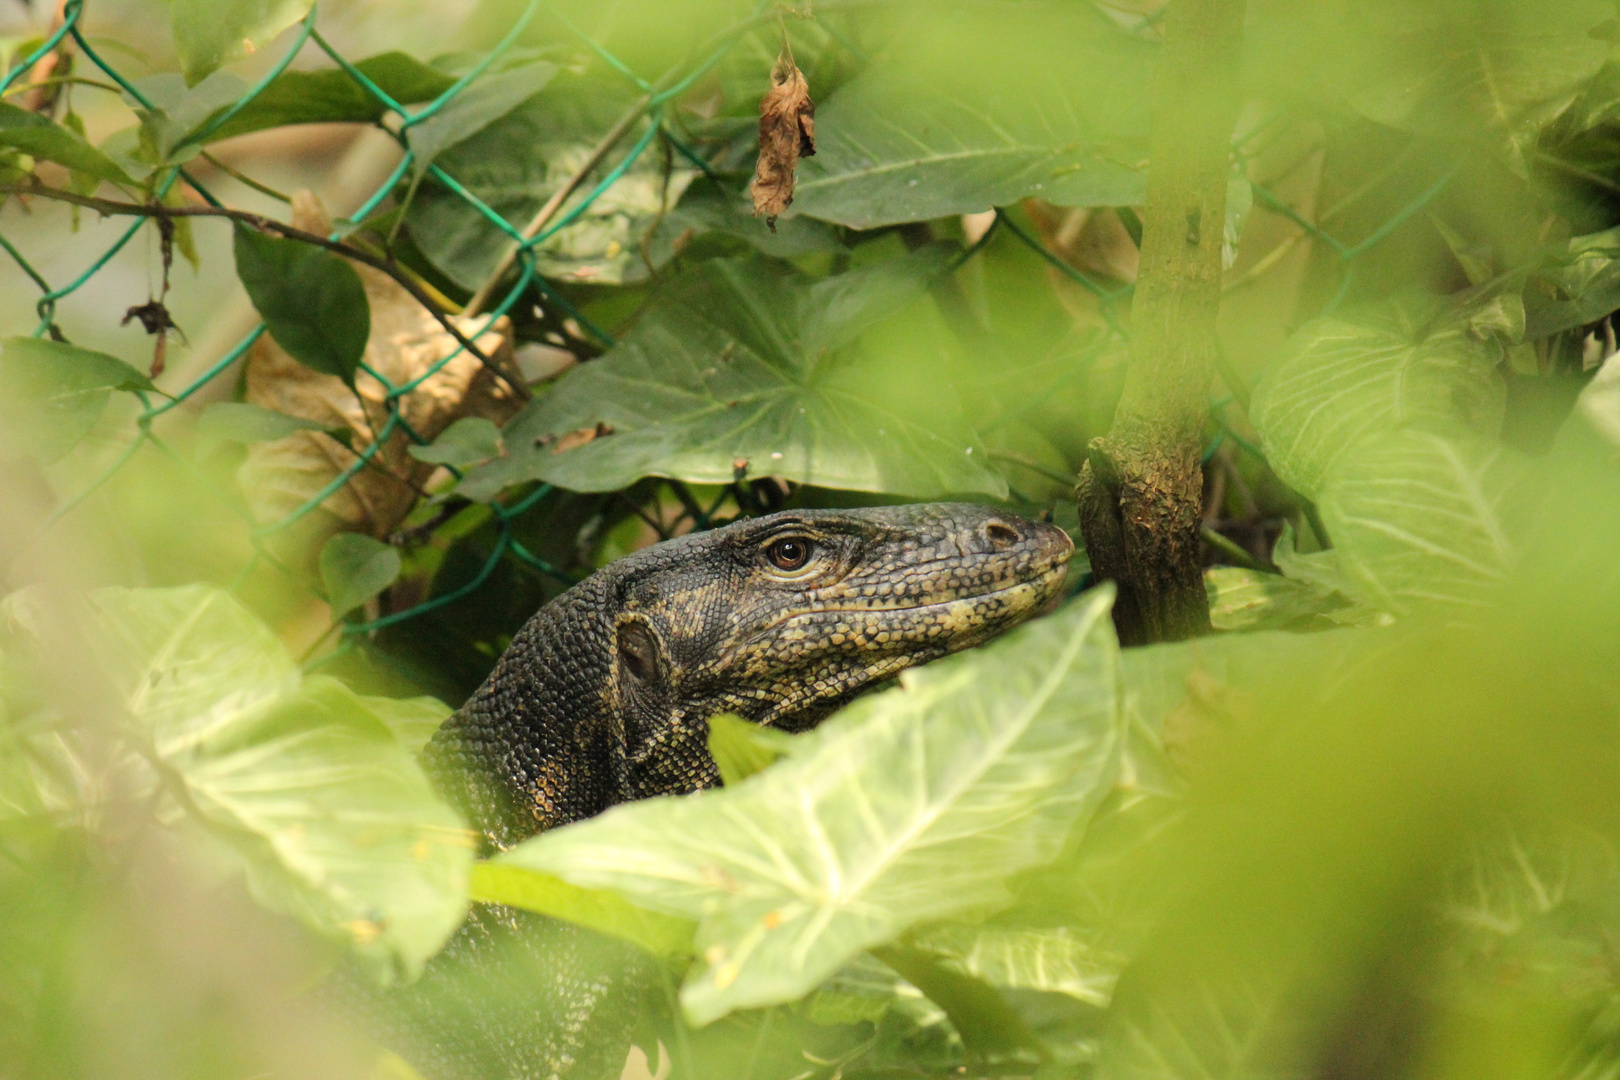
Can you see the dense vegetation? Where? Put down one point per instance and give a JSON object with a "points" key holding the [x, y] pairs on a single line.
{"points": [[1366, 827]]}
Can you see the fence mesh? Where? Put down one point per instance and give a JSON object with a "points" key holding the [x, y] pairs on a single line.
{"points": [[655, 98]]}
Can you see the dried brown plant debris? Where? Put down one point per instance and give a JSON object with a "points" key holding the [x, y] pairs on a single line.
{"points": [[787, 132], [406, 343]]}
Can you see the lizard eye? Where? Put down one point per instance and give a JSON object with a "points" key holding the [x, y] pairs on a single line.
{"points": [[789, 553]]}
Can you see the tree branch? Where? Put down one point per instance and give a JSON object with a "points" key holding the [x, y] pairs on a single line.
{"points": [[1139, 491], [113, 208]]}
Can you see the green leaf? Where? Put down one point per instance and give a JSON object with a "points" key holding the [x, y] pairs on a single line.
{"points": [[1502, 68], [311, 301], [599, 909], [516, 163], [1320, 572], [41, 138], [412, 720], [1580, 287], [331, 817], [1418, 517], [1053, 960], [463, 444], [1242, 599], [354, 568], [238, 421], [211, 33], [474, 109], [986, 104], [742, 749], [52, 393], [748, 361], [912, 805], [321, 97], [1210, 1031], [1345, 377]]}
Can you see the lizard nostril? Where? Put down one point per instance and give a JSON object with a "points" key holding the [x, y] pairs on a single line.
{"points": [[1001, 535]]}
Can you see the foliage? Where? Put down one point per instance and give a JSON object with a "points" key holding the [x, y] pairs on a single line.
{"points": [[1364, 829]]}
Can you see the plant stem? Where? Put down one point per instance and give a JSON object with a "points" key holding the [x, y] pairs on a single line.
{"points": [[1139, 490]]}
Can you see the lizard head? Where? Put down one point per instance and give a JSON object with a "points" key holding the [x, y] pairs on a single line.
{"points": [[782, 619]]}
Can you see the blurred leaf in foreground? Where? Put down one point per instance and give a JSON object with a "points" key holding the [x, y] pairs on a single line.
{"points": [[999, 753], [330, 818], [1329, 829], [52, 394]]}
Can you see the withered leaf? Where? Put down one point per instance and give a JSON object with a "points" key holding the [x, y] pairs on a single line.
{"points": [[575, 439], [787, 132], [407, 347]]}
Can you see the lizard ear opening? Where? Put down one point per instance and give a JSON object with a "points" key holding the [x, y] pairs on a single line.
{"points": [[638, 651]]}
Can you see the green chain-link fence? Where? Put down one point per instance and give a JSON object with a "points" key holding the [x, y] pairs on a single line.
{"points": [[492, 303]]}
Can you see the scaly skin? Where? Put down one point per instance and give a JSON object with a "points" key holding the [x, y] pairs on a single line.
{"points": [[605, 697]]}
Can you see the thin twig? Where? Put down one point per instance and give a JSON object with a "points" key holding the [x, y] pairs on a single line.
{"points": [[60, 80], [112, 208], [262, 189]]}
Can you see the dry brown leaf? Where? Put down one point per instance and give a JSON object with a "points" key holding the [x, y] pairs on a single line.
{"points": [[575, 439], [406, 341], [787, 132]]}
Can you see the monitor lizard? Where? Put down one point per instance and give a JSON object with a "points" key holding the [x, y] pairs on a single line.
{"points": [[605, 696]]}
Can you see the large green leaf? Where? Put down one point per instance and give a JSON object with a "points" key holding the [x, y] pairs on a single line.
{"points": [[210, 33], [312, 302], [599, 909], [331, 818], [1344, 377], [40, 137], [1419, 517], [749, 362], [984, 105], [52, 394], [1497, 68], [912, 805], [318, 97]]}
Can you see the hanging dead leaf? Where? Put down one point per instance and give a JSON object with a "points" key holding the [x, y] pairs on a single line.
{"points": [[407, 344], [787, 132]]}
